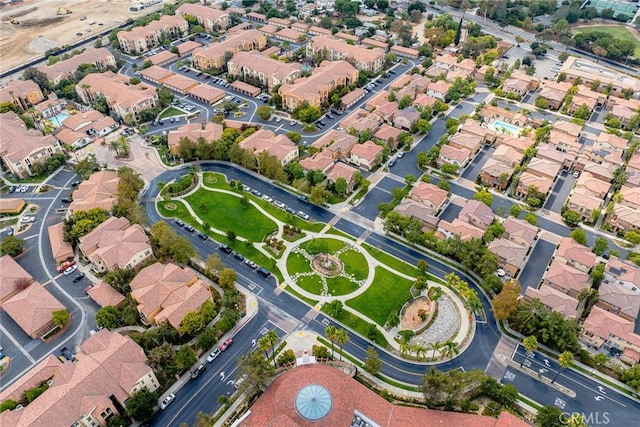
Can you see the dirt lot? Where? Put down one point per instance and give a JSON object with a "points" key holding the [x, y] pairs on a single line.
{"points": [[39, 27]]}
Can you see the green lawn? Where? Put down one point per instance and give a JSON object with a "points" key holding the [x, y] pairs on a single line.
{"points": [[311, 284], [387, 292], [333, 230], [297, 263], [216, 180], [285, 216], [171, 111], [391, 261], [293, 292], [359, 325], [179, 212], [227, 213], [355, 263], [319, 246], [340, 286], [617, 31]]}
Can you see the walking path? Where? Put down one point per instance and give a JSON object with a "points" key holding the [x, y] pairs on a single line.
{"points": [[462, 327]]}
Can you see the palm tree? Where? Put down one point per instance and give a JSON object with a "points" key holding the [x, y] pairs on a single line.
{"points": [[529, 314], [435, 346], [449, 349], [331, 333], [124, 143], [530, 344], [264, 345], [342, 337], [564, 360], [114, 145], [419, 349], [272, 339], [404, 347]]}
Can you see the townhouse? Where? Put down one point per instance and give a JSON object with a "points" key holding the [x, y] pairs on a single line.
{"points": [[555, 93], [454, 156], [269, 72], [141, 39], [115, 244], [415, 210], [124, 99], [566, 279], [477, 213], [315, 89], [212, 19], [278, 146], [24, 151], [367, 155], [101, 58], [333, 49], [215, 56], [430, 196], [194, 132], [554, 300], [457, 227], [339, 144], [100, 190], [607, 331], [332, 168]]}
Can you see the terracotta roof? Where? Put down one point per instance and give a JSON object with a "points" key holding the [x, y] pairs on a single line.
{"points": [[31, 308], [623, 271], [544, 167], [465, 140], [592, 185], [157, 73], [585, 202], [520, 144], [67, 66], [385, 132], [567, 277], [604, 324], [460, 228], [368, 150], [117, 90], [515, 227], [409, 207], [21, 89], [333, 136], [194, 131], [168, 290], [276, 406], [11, 205], [323, 78], [630, 196], [449, 152], [318, 161], [508, 155], [269, 67], [60, 249], [104, 295], [478, 210], [625, 299], [276, 145], [115, 243], [99, 191], [554, 300], [508, 251], [542, 183], [361, 120], [109, 364], [17, 142], [424, 191], [573, 251], [166, 21], [555, 91], [162, 57], [340, 170], [12, 277]]}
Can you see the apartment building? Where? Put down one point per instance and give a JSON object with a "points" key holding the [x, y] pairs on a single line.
{"points": [[123, 98], [101, 58], [278, 146], [22, 148], [217, 55], [588, 72], [334, 49], [22, 93], [316, 88], [269, 72], [210, 18], [141, 39]]}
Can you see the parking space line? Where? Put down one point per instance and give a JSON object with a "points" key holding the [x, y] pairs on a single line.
{"points": [[17, 344]]}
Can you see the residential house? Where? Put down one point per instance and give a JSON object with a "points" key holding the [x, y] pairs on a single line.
{"points": [[619, 300], [406, 118], [316, 88], [555, 93], [412, 209], [26, 301], [333, 49], [520, 231], [549, 152], [469, 142], [341, 170], [333, 137], [193, 132], [125, 100], [445, 61], [519, 84], [80, 129], [528, 181], [366, 155], [60, 249], [574, 254], [588, 72], [99, 191], [604, 171], [485, 134], [269, 72], [565, 278], [630, 196], [454, 156], [489, 113], [554, 300], [141, 39], [388, 134], [438, 90], [495, 174], [101, 58], [104, 295], [585, 204], [360, 121], [167, 293], [216, 55], [543, 168], [623, 109], [459, 228], [519, 144], [477, 213], [210, 18], [22, 93], [21, 149], [565, 143], [430, 196], [602, 329], [588, 184], [508, 155], [511, 255], [115, 244], [622, 274], [266, 141], [110, 368]]}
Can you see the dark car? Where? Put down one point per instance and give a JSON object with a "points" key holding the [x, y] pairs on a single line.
{"points": [[68, 354], [75, 183], [65, 200], [226, 249], [203, 236], [180, 222], [189, 228], [196, 372], [78, 278], [238, 256], [263, 272]]}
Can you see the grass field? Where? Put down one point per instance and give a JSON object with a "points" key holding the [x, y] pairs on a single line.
{"points": [[320, 246], [216, 180], [387, 292], [617, 31], [297, 263], [359, 325], [355, 263], [226, 212], [392, 261]]}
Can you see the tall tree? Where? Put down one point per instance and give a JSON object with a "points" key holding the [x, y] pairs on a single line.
{"points": [[342, 337], [456, 40], [530, 344], [331, 332], [253, 373], [564, 360], [372, 363]]}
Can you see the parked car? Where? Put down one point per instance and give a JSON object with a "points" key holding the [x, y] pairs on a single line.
{"points": [[278, 204], [226, 249], [189, 228], [303, 198], [70, 270], [65, 200], [303, 215], [225, 345], [292, 123], [27, 219], [87, 289], [203, 236], [238, 256], [180, 222], [213, 355], [251, 263], [75, 183], [267, 198], [278, 119], [62, 267], [166, 401], [68, 354], [392, 163], [196, 372], [9, 231], [400, 154], [78, 278], [500, 272], [328, 116], [263, 272]]}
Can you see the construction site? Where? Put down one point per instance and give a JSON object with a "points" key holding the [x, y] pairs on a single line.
{"points": [[29, 28]]}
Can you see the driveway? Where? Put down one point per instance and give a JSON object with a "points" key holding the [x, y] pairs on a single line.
{"points": [[561, 190], [474, 168], [536, 265]]}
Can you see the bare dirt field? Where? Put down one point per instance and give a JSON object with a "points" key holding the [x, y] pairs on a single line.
{"points": [[37, 25]]}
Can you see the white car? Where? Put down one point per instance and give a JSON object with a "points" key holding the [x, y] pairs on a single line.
{"points": [[303, 215], [500, 272], [278, 204], [166, 401], [278, 119], [27, 219], [576, 174], [267, 198], [214, 355], [70, 270]]}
